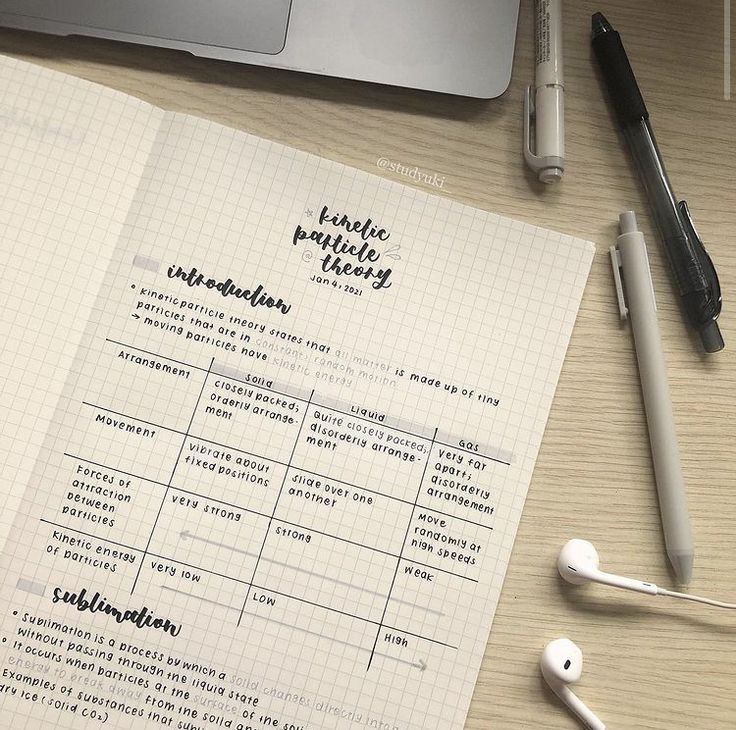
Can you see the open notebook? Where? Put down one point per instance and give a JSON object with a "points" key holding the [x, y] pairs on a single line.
{"points": [[269, 423]]}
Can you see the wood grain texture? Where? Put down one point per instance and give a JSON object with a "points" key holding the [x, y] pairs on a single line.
{"points": [[649, 663]]}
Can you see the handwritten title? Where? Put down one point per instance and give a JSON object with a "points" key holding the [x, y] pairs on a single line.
{"points": [[343, 257], [141, 618], [255, 297]]}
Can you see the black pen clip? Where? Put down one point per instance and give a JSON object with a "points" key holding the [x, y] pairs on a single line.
{"points": [[709, 271]]}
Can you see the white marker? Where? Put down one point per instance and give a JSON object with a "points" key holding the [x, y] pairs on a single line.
{"points": [[544, 105]]}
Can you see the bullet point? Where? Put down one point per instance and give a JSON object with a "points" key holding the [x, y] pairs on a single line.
{"points": [[132, 286], [15, 613], [4, 639]]}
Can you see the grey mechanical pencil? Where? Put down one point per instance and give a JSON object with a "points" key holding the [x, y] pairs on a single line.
{"points": [[632, 276]]}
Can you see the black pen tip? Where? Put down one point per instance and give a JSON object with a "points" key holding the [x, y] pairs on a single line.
{"points": [[711, 337], [599, 24]]}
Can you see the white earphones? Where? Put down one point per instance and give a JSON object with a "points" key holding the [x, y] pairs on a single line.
{"points": [[562, 665], [562, 661], [578, 562]]}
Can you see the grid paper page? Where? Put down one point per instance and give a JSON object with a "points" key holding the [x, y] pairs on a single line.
{"points": [[283, 481], [71, 158]]}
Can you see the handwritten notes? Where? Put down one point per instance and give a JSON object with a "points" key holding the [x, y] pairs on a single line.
{"points": [[282, 481]]}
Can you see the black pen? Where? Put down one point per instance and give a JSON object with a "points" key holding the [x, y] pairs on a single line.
{"points": [[694, 273]]}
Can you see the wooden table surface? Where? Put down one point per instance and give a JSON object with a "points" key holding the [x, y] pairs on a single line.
{"points": [[650, 662]]}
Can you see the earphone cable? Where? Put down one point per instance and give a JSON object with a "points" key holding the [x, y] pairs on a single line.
{"points": [[697, 599]]}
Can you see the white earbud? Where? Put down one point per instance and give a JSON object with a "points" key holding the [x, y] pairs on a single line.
{"points": [[578, 562], [562, 665]]}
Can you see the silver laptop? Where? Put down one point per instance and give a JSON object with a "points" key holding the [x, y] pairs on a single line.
{"points": [[461, 47]]}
